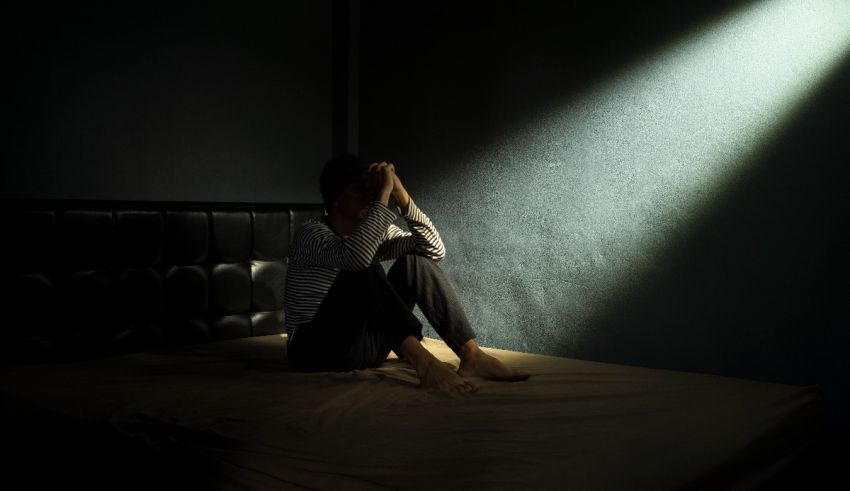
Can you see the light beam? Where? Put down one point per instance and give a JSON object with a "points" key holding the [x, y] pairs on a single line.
{"points": [[620, 169]]}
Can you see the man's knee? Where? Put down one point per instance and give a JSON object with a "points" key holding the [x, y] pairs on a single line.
{"points": [[411, 257], [405, 264]]}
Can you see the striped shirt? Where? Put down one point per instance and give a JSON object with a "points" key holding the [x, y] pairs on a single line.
{"points": [[317, 254]]}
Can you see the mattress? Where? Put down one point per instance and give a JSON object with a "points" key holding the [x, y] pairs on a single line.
{"points": [[233, 415]]}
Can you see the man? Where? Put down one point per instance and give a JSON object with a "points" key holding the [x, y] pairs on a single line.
{"points": [[344, 313]]}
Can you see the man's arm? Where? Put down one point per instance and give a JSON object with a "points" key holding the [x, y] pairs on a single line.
{"points": [[401, 196], [424, 239], [318, 245]]}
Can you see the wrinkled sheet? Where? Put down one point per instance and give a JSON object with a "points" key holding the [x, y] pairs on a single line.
{"points": [[235, 416]]}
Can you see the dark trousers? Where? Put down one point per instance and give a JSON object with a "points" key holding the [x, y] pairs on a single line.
{"points": [[367, 313]]}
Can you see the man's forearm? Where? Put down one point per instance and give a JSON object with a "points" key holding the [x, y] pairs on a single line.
{"points": [[403, 199], [384, 198]]}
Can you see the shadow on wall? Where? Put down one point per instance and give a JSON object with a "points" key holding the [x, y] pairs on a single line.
{"points": [[757, 286], [220, 101], [471, 73]]}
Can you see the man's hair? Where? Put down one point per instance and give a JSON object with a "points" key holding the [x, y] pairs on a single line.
{"points": [[337, 174]]}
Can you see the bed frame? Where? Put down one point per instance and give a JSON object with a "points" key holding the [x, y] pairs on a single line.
{"points": [[85, 279], [190, 295]]}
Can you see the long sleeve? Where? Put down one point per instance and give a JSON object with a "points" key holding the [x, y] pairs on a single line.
{"points": [[317, 254], [423, 238], [317, 245]]}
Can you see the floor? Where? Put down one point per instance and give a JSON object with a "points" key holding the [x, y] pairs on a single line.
{"points": [[822, 468]]}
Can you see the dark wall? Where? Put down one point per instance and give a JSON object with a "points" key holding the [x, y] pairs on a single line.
{"points": [[181, 101], [572, 230]]}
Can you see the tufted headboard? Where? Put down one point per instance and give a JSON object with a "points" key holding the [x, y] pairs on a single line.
{"points": [[86, 279]]}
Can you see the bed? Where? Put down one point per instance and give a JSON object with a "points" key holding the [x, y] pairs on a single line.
{"points": [[233, 415], [173, 388]]}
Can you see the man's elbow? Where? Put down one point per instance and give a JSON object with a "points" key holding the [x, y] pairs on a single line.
{"points": [[438, 255]]}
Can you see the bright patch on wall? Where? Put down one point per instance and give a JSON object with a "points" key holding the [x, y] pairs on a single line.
{"points": [[610, 175]]}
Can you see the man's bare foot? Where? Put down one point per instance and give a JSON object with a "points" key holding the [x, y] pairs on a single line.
{"points": [[477, 363], [431, 371], [437, 375]]}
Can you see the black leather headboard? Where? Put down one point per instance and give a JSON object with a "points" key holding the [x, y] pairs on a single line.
{"points": [[84, 279]]}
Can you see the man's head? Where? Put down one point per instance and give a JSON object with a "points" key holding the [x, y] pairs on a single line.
{"points": [[342, 186]]}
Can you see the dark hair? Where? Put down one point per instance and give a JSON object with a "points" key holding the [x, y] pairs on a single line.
{"points": [[337, 174]]}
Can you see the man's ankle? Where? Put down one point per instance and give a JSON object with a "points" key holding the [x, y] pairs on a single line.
{"points": [[413, 350], [469, 348]]}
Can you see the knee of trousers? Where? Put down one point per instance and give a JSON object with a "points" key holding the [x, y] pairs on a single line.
{"points": [[412, 259], [408, 263]]}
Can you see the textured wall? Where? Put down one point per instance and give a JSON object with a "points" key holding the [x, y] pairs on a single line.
{"points": [[653, 185], [196, 101]]}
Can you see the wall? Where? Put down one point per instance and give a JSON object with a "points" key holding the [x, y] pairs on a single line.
{"points": [[547, 227], [186, 101]]}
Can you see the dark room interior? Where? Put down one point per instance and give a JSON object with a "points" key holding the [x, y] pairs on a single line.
{"points": [[644, 204]]}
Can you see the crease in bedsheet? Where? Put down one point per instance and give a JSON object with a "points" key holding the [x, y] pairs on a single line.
{"points": [[223, 462]]}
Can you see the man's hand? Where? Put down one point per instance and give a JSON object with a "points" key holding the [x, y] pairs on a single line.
{"points": [[379, 179], [382, 179]]}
